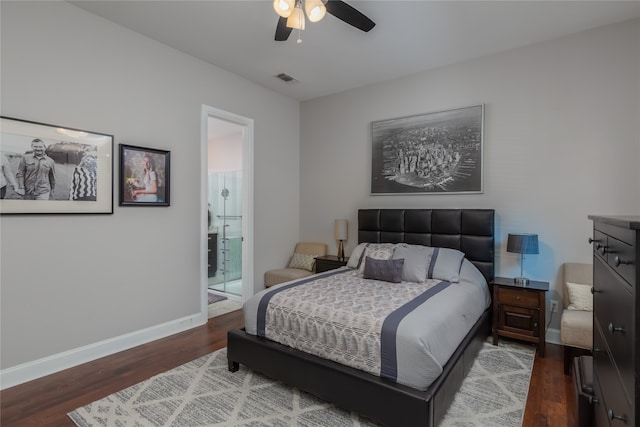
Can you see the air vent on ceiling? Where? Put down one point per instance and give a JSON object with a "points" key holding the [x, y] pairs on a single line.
{"points": [[287, 78]]}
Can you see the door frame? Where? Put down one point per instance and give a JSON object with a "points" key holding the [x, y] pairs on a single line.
{"points": [[247, 199]]}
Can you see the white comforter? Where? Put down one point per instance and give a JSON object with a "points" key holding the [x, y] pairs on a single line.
{"points": [[404, 332]]}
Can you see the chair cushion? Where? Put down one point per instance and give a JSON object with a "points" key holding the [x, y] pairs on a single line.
{"points": [[273, 277], [576, 328]]}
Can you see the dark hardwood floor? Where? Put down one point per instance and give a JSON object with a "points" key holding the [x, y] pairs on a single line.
{"points": [[46, 401]]}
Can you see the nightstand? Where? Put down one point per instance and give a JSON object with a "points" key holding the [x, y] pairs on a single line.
{"points": [[329, 262], [519, 311]]}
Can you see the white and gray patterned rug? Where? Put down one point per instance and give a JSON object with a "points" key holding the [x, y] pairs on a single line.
{"points": [[204, 393]]}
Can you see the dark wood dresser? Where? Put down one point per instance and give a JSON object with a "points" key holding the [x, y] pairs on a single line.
{"points": [[616, 319]]}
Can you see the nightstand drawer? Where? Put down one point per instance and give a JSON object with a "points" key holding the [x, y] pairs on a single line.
{"points": [[524, 321], [519, 297]]}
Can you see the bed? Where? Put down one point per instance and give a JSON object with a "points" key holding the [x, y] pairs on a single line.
{"points": [[389, 400]]}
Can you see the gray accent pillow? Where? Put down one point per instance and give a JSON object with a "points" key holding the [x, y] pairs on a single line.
{"points": [[445, 264], [416, 261], [387, 270]]}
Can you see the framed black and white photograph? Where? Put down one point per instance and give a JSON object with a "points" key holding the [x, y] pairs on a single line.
{"points": [[144, 176], [49, 169], [434, 153]]}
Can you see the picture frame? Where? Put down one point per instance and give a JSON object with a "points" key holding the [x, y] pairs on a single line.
{"points": [[433, 153], [51, 169], [144, 176]]}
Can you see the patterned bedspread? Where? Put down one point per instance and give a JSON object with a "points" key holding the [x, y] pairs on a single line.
{"points": [[404, 332]]}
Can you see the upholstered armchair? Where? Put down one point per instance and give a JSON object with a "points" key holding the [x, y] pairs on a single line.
{"points": [[576, 323], [301, 264]]}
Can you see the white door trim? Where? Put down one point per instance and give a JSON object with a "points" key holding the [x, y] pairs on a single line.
{"points": [[247, 199]]}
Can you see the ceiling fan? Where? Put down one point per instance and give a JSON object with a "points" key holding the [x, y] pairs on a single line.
{"points": [[292, 15]]}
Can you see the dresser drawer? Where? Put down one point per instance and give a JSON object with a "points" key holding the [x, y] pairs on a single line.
{"points": [[599, 410], [615, 401], [519, 297], [620, 256], [620, 370], [613, 310]]}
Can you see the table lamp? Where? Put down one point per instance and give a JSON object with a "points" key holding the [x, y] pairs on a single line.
{"points": [[522, 244], [340, 234]]}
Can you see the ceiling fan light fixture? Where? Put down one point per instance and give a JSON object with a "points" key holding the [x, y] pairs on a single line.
{"points": [[296, 19], [315, 9], [283, 7]]}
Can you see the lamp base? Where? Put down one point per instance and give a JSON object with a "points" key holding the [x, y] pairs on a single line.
{"points": [[340, 250], [522, 281]]}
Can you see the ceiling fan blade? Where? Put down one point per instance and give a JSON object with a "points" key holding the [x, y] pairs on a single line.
{"points": [[350, 15], [282, 31]]}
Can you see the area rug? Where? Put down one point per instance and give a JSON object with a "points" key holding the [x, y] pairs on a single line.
{"points": [[223, 307], [213, 298], [204, 393]]}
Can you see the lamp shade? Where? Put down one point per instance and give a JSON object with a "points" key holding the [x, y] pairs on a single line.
{"points": [[523, 243], [283, 7], [296, 19], [315, 10], [340, 229]]}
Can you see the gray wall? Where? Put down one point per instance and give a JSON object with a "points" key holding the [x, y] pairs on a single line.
{"points": [[561, 141], [73, 281]]}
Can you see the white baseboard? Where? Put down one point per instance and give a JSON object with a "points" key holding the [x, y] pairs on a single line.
{"points": [[19, 374], [553, 336]]}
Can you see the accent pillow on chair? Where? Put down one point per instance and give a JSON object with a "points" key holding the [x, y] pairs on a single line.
{"points": [[580, 297], [300, 265], [302, 261]]}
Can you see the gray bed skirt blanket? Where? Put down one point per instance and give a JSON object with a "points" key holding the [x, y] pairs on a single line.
{"points": [[404, 332]]}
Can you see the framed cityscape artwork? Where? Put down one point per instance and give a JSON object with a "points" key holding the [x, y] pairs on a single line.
{"points": [[49, 169], [434, 153]]}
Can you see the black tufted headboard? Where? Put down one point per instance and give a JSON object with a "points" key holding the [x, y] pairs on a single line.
{"points": [[467, 230]]}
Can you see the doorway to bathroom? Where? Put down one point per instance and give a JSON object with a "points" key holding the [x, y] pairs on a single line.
{"points": [[227, 202]]}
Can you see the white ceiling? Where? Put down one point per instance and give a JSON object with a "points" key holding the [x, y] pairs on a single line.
{"points": [[410, 36]]}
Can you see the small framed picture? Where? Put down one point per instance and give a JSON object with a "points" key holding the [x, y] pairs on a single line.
{"points": [[144, 176], [49, 169]]}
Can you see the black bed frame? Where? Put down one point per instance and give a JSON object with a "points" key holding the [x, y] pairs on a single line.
{"points": [[468, 230]]}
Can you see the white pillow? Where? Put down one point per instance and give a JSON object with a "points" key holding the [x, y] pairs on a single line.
{"points": [[580, 297], [445, 264], [354, 258], [302, 261]]}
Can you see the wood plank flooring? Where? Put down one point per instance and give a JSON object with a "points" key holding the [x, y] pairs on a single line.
{"points": [[46, 401]]}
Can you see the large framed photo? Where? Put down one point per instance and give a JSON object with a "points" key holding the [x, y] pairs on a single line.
{"points": [[48, 169], [434, 153], [144, 176]]}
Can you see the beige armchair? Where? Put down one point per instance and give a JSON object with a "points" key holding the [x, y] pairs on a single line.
{"points": [[301, 264], [576, 325]]}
